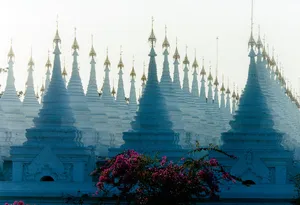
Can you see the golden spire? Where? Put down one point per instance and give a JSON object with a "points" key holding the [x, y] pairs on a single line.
{"points": [[152, 38], [132, 73], [144, 76], [43, 87], [233, 94], [222, 87], [48, 63], [273, 62], [31, 63], [203, 70], [216, 83], [107, 62], [120, 65], [64, 73], [113, 92], [251, 41], [56, 38], [92, 52], [186, 60], [195, 63], [210, 78], [37, 92], [75, 45], [166, 43], [264, 52], [176, 55], [228, 90], [259, 42], [11, 52]]}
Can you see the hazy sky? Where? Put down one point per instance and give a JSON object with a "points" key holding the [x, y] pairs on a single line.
{"points": [[196, 23]]}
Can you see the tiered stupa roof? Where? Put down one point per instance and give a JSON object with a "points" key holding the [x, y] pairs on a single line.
{"points": [[96, 106], [78, 100], [11, 105], [151, 130], [53, 147], [169, 92], [252, 137], [110, 108]]}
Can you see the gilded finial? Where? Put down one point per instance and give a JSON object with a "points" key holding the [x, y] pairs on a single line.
{"points": [[233, 93], [152, 38], [64, 73], [237, 94], [273, 62], [11, 52], [92, 52], [132, 73], [195, 63], [251, 41], [209, 78], [222, 87], [203, 73], [176, 55], [186, 60], [107, 62], [113, 92], [166, 43], [144, 76], [57, 38], [259, 43], [48, 63], [228, 90], [37, 92], [75, 45], [42, 88], [31, 63], [120, 65], [216, 83]]}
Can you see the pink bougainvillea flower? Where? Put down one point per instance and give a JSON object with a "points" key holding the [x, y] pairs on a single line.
{"points": [[213, 162]]}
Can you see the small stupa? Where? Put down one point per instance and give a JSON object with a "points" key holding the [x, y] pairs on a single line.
{"points": [[11, 105], [114, 125], [169, 92], [31, 104], [98, 116], [78, 101]]}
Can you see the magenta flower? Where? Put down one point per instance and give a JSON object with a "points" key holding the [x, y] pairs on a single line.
{"points": [[213, 162], [145, 181]]}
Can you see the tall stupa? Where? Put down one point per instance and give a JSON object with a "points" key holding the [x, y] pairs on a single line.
{"points": [[53, 150], [151, 130]]}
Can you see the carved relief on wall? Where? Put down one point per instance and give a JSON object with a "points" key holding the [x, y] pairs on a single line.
{"points": [[47, 164], [251, 167]]}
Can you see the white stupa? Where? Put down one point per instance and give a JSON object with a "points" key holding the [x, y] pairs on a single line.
{"points": [[96, 106], [79, 103], [11, 105], [31, 105], [53, 150]]}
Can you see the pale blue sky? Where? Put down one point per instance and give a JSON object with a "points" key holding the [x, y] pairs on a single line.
{"points": [[196, 23]]}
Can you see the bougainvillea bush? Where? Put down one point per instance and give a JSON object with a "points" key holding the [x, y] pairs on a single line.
{"points": [[139, 179]]}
